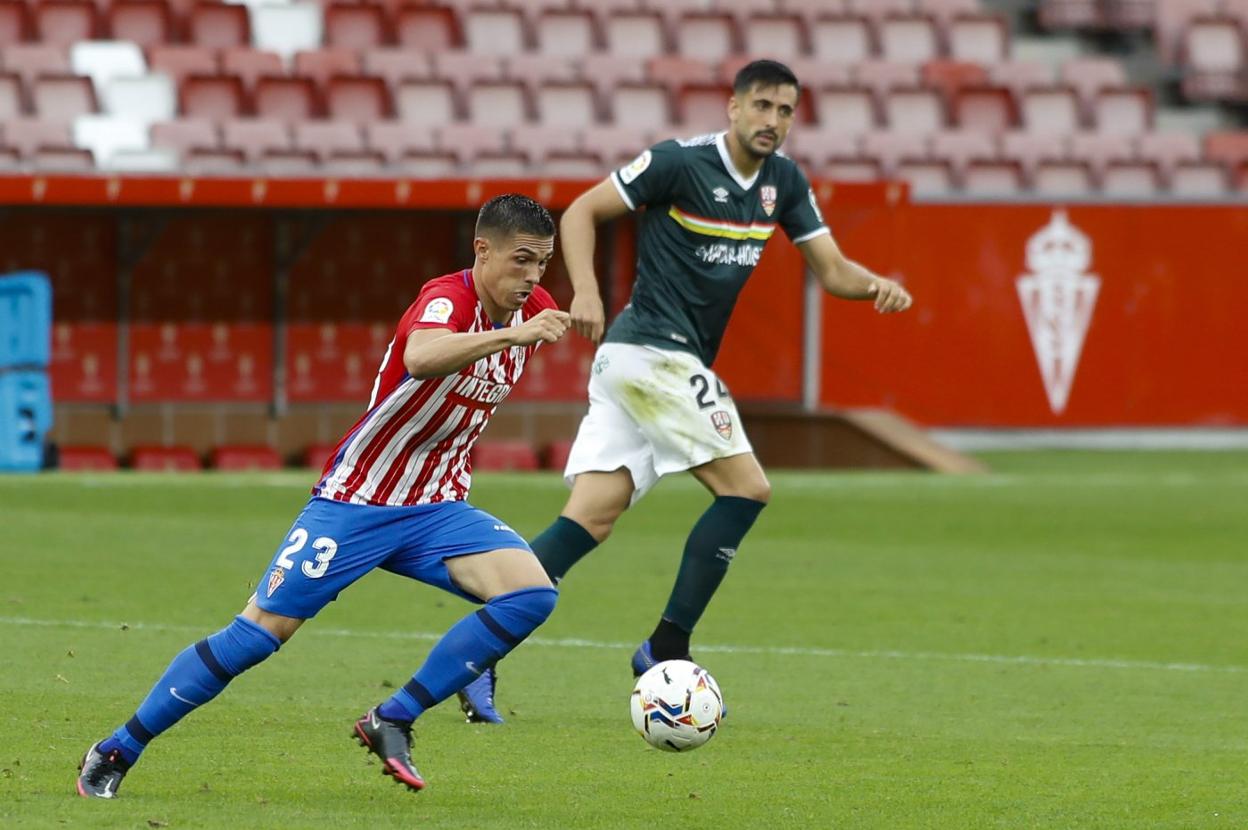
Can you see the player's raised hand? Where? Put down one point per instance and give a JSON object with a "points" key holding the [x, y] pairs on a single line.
{"points": [[889, 296], [588, 318], [546, 327]]}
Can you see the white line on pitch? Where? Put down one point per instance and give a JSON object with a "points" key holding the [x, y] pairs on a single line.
{"points": [[798, 651]]}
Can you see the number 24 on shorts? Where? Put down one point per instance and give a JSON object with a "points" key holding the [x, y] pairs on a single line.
{"points": [[702, 387], [324, 546]]}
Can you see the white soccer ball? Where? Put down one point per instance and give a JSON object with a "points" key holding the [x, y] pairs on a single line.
{"points": [[676, 706]]}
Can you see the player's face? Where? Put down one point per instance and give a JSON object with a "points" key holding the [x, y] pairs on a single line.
{"points": [[511, 267], [761, 117]]}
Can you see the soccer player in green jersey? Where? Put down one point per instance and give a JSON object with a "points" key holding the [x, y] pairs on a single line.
{"points": [[655, 406]]}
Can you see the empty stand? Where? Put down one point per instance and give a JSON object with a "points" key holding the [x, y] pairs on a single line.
{"points": [[241, 458], [164, 459]]}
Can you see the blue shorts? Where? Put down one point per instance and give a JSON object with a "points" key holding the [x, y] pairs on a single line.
{"points": [[333, 543]]}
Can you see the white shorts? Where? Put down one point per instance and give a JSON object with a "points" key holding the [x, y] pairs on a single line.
{"points": [[655, 412]]}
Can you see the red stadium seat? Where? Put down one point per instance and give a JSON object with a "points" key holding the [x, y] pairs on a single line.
{"points": [[164, 459], [951, 76], [26, 135], [1200, 179], [1227, 147], [498, 104], [565, 33], [703, 107], [1127, 110], [979, 38], [76, 459], [615, 144], [396, 65], [993, 178], [1053, 109], [426, 102], [358, 99], [324, 138], [427, 28], [636, 36], [504, 455], [394, 139], [289, 163], [63, 160], [571, 105], [1028, 150], [677, 72], [773, 34], [1099, 150], [62, 97], [814, 74], [12, 104], [1173, 17], [434, 165], [251, 64], [504, 165], [927, 177], [1090, 75], [356, 25], [816, 146], [707, 36], [254, 137], [1018, 76], [842, 39], [555, 455], [909, 38], [535, 70], [889, 148], [494, 31], [286, 98], [145, 22], [467, 142], [29, 60], [607, 71], [463, 69], [1168, 149], [14, 22], [240, 458], [851, 169], [1062, 178], [1131, 178], [180, 61], [63, 22], [883, 76], [957, 148], [645, 106], [845, 109], [1216, 59], [214, 162], [185, 135], [219, 25], [320, 64], [213, 97], [915, 110]]}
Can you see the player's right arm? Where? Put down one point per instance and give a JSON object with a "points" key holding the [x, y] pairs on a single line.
{"points": [[438, 352], [578, 228]]}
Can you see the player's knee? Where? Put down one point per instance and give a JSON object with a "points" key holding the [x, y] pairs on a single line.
{"points": [[758, 490], [526, 608]]}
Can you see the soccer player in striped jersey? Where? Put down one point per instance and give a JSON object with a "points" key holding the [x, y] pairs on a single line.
{"points": [[655, 405], [392, 496]]}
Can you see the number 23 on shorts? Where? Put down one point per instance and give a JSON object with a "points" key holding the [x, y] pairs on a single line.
{"points": [[324, 546]]}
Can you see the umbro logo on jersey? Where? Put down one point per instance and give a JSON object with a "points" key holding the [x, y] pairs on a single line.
{"points": [[721, 196]]}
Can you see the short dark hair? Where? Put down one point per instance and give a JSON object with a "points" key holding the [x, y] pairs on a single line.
{"points": [[764, 73], [514, 213]]}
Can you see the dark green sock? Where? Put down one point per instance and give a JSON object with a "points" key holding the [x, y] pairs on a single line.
{"points": [[712, 544], [561, 546]]}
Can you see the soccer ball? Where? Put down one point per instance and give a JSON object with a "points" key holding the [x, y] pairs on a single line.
{"points": [[676, 706]]}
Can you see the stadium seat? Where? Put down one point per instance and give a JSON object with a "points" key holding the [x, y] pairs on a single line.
{"points": [[77, 459], [30, 60], [426, 102], [12, 103], [431, 165], [468, 142], [814, 74], [1168, 149], [287, 28], [14, 22], [427, 28], [538, 143], [254, 137], [1100, 149], [708, 36], [1227, 147], [62, 97], [358, 99], [286, 98], [571, 105], [1018, 76], [463, 69], [1028, 150], [180, 61], [565, 33], [850, 169], [144, 99], [240, 458], [289, 163], [985, 177], [1062, 179], [494, 31], [394, 139], [945, 11], [504, 455], [914, 110], [147, 23], [769, 33], [635, 36], [1053, 109], [164, 459], [989, 109], [396, 65], [817, 146], [320, 64], [909, 38], [184, 135], [927, 176], [882, 76], [219, 25], [615, 144], [10, 160], [1199, 179], [1071, 14], [889, 148], [1127, 110], [951, 76], [1173, 17], [62, 160], [65, 22], [1088, 76], [957, 148], [1135, 179], [555, 455], [841, 39], [325, 138], [250, 65], [574, 165], [214, 161], [676, 72], [845, 109], [359, 26], [607, 71], [27, 135], [499, 104], [535, 70], [703, 108], [644, 106], [503, 165], [213, 97], [979, 38], [1215, 59]]}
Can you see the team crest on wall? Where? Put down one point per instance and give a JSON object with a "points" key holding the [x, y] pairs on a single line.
{"points": [[1058, 298], [768, 195]]}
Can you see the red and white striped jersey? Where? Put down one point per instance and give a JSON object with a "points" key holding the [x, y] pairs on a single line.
{"points": [[412, 445]]}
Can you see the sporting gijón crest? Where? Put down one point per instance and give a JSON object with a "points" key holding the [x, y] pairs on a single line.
{"points": [[767, 193], [722, 422]]}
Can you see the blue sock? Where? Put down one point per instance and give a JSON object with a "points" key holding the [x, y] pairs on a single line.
{"points": [[196, 676], [472, 645]]}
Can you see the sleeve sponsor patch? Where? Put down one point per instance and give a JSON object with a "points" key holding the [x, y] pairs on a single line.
{"points": [[438, 310], [635, 168]]}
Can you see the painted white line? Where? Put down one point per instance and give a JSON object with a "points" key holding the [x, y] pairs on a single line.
{"points": [[795, 651]]}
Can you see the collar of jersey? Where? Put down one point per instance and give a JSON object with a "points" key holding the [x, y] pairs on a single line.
{"points": [[721, 144]]}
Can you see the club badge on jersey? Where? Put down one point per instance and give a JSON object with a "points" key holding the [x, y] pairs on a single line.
{"points": [[767, 193]]}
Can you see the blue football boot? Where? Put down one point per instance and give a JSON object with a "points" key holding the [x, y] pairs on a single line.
{"points": [[477, 699], [643, 660]]}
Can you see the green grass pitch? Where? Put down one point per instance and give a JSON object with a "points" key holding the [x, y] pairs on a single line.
{"points": [[1058, 644]]}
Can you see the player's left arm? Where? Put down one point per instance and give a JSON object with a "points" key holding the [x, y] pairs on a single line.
{"points": [[844, 278]]}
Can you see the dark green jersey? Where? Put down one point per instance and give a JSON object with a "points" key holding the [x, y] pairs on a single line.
{"points": [[701, 236]]}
